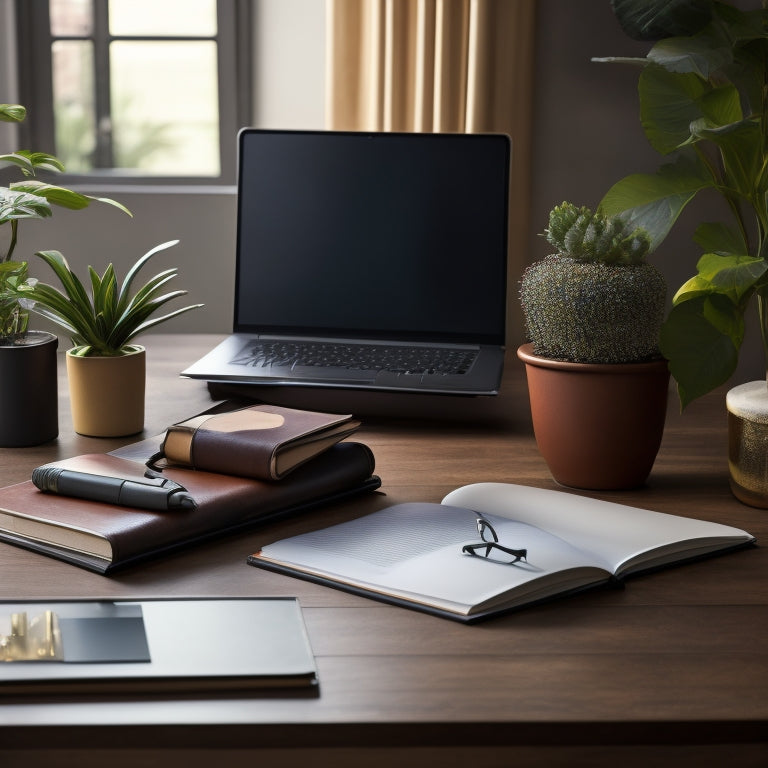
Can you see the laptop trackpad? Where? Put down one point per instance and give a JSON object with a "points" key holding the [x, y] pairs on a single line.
{"points": [[319, 373]]}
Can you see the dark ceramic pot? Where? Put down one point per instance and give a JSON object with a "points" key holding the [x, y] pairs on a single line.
{"points": [[29, 402], [598, 426]]}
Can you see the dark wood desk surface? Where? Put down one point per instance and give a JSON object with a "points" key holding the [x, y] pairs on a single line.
{"points": [[671, 670]]}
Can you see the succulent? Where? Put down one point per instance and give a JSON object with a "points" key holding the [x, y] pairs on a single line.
{"points": [[596, 300]]}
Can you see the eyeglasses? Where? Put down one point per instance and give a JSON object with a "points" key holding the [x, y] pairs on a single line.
{"points": [[490, 549]]}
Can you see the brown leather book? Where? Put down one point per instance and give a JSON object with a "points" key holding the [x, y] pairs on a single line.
{"points": [[103, 537], [261, 441]]}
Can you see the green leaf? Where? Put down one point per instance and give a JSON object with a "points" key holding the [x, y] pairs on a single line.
{"points": [[691, 289], [654, 201], [701, 339], [65, 198], [42, 160], [12, 113], [701, 54], [671, 101], [714, 237], [22, 205], [733, 276], [653, 19], [15, 158]]}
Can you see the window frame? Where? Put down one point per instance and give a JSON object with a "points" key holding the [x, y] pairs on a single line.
{"points": [[35, 83]]}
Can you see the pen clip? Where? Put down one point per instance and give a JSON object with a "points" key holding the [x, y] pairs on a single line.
{"points": [[168, 484]]}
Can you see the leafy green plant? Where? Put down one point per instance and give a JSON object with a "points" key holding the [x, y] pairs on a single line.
{"points": [[704, 103], [596, 300], [29, 198], [104, 321]]}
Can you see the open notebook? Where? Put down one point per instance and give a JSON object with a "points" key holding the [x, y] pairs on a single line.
{"points": [[433, 557], [368, 260]]}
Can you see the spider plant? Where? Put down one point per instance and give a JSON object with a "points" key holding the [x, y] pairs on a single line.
{"points": [[104, 321]]}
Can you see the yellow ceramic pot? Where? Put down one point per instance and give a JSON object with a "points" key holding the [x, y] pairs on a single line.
{"points": [[107, 393]]}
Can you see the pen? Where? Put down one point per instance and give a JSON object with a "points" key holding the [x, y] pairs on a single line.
{"points": [[154, 493]]}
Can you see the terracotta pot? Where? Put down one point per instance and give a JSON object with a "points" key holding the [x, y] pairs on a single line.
{"points": [[107, 393], [29, 396], [598, 426]]}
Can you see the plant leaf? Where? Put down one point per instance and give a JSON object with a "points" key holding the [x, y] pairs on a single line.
{"points": [[22, 205], [714, 237], [671, 101], [654, 201], [65, 198], [718, 327], [42, 160], [653, 19], [731, 275], [702, 54], [19, 159], [12, 113]]}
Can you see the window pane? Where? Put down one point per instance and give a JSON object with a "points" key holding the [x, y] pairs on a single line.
{"points": [[73, 108], [71, 17], [165, 107], [169, 18]]}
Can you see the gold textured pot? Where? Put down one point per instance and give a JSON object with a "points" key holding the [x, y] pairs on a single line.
{"points": [[107, 393], [598, 426], [747, 406]]}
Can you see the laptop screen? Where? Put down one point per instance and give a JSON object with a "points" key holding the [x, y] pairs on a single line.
{"points": [[372, 235]]}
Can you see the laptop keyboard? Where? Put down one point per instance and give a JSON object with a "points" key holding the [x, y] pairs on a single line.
{"points": [[352, 357]]}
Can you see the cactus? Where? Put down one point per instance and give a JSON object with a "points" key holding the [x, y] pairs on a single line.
{"points": [[596, 300]]}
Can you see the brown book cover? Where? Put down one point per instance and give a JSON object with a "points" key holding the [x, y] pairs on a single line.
{"points": [[261, 441], [103, 537]]}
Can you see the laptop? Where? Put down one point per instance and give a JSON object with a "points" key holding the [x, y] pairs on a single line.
{"points": [[368, 261]]}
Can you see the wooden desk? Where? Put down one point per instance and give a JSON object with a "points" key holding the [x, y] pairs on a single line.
{"points": [[672, 670]]}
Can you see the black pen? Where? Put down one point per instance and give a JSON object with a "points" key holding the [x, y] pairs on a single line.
{"points": [[154, 493]]}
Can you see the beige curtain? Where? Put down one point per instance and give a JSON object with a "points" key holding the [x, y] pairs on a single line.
{"points": [[435, 66]]}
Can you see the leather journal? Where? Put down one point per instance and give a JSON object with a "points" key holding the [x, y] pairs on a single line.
{"points": [[261, 441], [102, 537]]}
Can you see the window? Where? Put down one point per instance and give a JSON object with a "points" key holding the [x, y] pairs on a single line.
{"points": [[136, 90]]}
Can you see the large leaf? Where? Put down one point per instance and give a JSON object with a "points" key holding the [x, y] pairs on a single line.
{"points": [[733, 276], [703, 54], [654, 201], [670, 102], [654, 19], [714, 237], [701, 339]]}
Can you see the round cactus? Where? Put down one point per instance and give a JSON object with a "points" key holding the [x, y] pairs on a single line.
{"points": [[596, 300]]}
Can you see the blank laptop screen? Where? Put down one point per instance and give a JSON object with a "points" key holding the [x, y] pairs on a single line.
{"points": [[389, 236]]}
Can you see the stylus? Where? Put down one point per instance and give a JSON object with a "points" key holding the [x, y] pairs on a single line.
{"points": [[156, 493]]}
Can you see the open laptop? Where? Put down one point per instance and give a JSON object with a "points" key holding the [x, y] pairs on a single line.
{"points": [[368, 260]]}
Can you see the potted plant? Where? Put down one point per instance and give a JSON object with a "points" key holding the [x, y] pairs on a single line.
{"points": [[597, 383], [704, 104], [28, 376], [106, 369]]}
